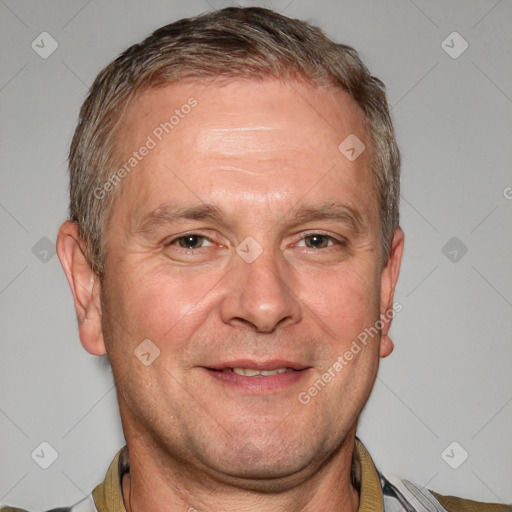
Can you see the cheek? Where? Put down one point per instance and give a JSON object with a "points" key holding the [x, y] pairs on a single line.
{"points": [[159, 304], [346, 299]]}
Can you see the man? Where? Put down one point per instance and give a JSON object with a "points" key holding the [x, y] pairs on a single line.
{"points": [[233, 247]]}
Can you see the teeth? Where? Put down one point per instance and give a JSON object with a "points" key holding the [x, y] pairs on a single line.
{"points": [[248, 372]]}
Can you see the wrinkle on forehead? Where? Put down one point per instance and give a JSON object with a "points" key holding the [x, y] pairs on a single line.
{"points": [[260, 141], [246, 171]]}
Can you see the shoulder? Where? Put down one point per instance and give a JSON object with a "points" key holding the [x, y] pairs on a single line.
{"points": [[14, 509], [405, 496], [456, 504], [85, 505], [82, 506]]}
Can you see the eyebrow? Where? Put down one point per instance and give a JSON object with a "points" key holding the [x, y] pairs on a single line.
{"points": [[168, 214], [335, 211]]}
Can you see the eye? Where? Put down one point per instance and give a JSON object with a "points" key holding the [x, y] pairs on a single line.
{"points": [[318, 241], [191, 241]]}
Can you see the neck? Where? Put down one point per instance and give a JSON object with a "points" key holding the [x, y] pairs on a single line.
{"points": [[156, 483]]}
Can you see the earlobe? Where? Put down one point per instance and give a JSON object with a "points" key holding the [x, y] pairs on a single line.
{"points": [[389, 279], [85, 287], [386, 346]]}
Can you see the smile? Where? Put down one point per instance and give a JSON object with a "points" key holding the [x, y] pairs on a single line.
{"points": [[250, 372], [249, 377]]}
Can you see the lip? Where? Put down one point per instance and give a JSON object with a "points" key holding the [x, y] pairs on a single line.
{"points": [[258, 385], [257, 365]]}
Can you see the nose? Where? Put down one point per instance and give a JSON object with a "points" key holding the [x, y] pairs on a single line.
{"points": [[260, 294]]}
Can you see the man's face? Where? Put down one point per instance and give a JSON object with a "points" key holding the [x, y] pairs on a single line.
{"points": [[245, 239]]}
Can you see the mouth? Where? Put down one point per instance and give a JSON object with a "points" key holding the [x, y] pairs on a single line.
{"points": [[250, 372], [257, 377]]}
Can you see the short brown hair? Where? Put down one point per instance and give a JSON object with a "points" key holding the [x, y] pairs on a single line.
{"points": [[254, 43]]}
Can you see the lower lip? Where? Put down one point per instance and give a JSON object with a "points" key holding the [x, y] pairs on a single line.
{"points": [[264, 384]]}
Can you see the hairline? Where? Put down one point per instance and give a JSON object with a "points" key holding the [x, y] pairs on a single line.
{"points": [[146, 86]]}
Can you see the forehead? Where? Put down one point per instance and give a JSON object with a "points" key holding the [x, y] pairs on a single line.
{"points": [[248, 105], [270, 140]]}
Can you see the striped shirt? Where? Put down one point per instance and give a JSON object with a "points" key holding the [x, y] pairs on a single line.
{"points": [[376, 492]]}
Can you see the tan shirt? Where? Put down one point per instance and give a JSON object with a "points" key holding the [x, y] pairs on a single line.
{"points": [[376, 493], [108, 495]]}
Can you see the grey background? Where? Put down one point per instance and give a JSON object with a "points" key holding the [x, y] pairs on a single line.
{"points": [[449, 378]]}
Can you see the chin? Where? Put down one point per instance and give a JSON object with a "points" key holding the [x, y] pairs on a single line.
{"points": [[271, 465]]}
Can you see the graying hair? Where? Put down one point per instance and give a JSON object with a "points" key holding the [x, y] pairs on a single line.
{"points": [[252, 43]]}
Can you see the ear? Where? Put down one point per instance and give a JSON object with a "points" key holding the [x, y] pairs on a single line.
{"points": [[85, 287], [389, 278]]}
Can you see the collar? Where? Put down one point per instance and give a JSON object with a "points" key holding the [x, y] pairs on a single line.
{"points": [[108, 495]]}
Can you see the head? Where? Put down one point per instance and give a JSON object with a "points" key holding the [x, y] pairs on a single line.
{"points": [[216, 211]]}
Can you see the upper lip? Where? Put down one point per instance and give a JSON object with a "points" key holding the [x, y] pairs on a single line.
{"points": [[258, 365]]}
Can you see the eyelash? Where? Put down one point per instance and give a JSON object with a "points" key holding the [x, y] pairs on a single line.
{"points": [[186, 235], [330, 238]]}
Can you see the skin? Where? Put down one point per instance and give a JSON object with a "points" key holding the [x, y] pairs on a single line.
{"points": [[262, 154]]}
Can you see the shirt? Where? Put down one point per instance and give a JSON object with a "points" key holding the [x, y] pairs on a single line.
{"points": [[376, 493]]}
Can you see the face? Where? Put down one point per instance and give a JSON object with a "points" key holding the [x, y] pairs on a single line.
{"points": [[244, 239]]}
